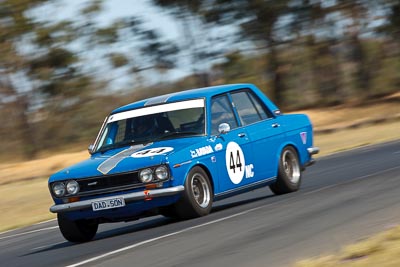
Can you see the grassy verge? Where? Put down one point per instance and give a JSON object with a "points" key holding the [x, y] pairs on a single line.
{"points": [[381, 250], [24, 203], [23, 189], [351, 138]]}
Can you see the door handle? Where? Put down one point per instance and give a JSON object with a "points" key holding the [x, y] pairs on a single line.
{"points": [[242, 135], [275, 125]]}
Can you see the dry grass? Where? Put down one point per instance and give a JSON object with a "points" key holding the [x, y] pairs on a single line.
{"points": [[352, 138], [39, 168], [23, 189], [381, 250], [342, 116], [24, 203]]}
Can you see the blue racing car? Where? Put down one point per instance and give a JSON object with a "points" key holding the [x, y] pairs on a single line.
{"points": [[176, 154]]}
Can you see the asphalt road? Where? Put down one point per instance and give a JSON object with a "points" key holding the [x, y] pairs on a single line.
{"points": [[344, 197]]}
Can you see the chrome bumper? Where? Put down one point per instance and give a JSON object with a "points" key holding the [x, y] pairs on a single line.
{"points": [[131, 197], [313, 150]]}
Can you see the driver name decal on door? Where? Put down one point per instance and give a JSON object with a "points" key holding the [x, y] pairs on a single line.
{"points": [[235, 162]]}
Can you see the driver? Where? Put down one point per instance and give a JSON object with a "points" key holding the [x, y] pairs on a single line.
{"points": [[144, 126]]}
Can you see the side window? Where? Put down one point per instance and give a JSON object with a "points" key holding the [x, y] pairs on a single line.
{"points": [[261, 109], [221, 111], [248, 107]]}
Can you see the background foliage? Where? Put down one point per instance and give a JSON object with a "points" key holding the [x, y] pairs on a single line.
{"points": [[57, 77]]}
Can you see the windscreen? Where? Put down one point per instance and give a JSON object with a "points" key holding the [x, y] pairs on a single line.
{"points": [[150, 124]]}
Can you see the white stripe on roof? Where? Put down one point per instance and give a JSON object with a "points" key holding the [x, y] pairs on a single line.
{"points": [[196, 103]]}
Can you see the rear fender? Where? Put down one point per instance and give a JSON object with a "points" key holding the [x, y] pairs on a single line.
{"points": [[298, 134]]}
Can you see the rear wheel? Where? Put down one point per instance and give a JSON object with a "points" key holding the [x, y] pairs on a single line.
{"points": [[289, 172], [77, 231], [198, 195]]}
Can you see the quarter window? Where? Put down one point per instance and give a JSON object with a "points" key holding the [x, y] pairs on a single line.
{"points": [[249, 108]]}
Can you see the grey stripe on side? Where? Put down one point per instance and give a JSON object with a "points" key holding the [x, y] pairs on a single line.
{"points": [[112, 162]]}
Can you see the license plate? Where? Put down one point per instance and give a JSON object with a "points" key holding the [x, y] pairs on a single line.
{"points": [[108, 204]]}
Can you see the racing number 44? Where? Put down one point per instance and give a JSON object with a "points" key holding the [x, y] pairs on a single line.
{"points": [[235, 163]]}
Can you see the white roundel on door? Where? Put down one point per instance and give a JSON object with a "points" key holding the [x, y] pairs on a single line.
{"points": [[235, 162]]}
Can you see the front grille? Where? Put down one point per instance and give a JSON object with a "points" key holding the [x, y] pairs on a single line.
{"points": [[109, 183]]}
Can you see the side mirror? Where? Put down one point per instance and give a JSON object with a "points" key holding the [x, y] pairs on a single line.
{"points": [[224, 128], [277, 112], [90, 149]]}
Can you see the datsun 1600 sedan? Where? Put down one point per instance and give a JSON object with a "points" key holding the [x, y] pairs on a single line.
{"points": [[176, 154]]}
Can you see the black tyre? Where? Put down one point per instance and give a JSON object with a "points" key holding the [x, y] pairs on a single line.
{"points": [[197, 198], [289, 173], [77, 231]]}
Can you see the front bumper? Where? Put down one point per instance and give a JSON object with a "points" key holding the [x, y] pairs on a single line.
{"points": [[131, 197]]}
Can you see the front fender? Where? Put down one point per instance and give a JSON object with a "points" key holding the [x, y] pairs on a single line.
{"points": [[180, 169]]}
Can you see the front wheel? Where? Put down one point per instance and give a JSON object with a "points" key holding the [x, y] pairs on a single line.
{"points": [[197, 198], [77, 231], [289, 173]]}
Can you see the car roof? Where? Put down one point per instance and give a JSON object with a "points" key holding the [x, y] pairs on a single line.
{"points": [[205, 92]]}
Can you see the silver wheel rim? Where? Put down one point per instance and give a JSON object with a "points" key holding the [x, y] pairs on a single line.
{"points": [[201, 190], [291, 166]]}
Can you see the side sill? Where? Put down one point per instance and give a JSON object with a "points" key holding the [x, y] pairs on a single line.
{"points": [[244, 189]]}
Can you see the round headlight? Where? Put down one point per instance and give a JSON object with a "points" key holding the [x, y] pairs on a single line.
{"points": [[162, 173], [146, 175], [58, 189], [72, 187]]}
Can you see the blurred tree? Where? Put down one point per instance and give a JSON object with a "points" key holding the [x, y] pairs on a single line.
{"points": [[199, 45], [391, 30], [333, 30], [307, 18], [39, 72], [357, 12], [44, 70], [256, 19], [310, 52], [393, 26], [127, 43], [15, 25]]}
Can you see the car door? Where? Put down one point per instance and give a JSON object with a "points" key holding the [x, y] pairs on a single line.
{"points": [[264, 133], [232, 149]]}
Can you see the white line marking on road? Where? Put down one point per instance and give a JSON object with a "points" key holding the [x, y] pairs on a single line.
{"points": [[320, 189], [167, 235], [397, 152], [30, 232], [350, 181], [9, 231], [51, 220], [12, 230]]}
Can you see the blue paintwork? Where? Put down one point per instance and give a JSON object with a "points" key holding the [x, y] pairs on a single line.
{"points": [[261, 143]]}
